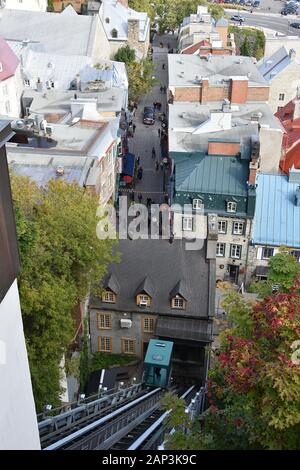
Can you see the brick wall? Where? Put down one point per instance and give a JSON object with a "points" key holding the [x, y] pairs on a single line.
{"points": [[187, 94], [258, 94], [223, 32], [223, 148], [239, 91], [213, 93]]}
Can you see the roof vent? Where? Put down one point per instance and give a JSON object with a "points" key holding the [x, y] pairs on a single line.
{"points": [[60, 170]]}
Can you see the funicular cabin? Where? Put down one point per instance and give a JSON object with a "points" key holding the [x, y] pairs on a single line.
{"points": [[158, 363]]}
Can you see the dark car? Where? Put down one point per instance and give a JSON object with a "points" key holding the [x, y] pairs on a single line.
{"points": [[149, 115], [295, 25], [237, 18]]}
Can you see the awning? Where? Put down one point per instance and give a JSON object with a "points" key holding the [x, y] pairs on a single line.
{"points": [[128, 164], [261, 270], [184, 328]]}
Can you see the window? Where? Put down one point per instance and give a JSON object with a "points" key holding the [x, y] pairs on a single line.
{"points": [[187, 223], [281, 96], [197, 204], [128, 346], [235, 251], [220, 249], [231, 206], [238, 228], [222, 226], [177, 302], [104, 321], [143, 300], [7, 107], [267, 252], [148, 325], [108, 297], [5, 90], [27, 82], [114, 33], [104, 344]]}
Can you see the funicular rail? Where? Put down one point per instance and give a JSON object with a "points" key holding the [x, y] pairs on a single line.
{"points": [[98, 433]]}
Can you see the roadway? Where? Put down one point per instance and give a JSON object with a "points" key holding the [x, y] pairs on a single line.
{"points": [[268, 20]]}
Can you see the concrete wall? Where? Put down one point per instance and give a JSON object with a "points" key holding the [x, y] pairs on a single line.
{"points": [[18, 424], [285, 82], [270, 149]]}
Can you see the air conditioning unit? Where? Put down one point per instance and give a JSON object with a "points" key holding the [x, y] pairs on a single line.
{"points": [[49, 130], [125, 323], [143, 303]]}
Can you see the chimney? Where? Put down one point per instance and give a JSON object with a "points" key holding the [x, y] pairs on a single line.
{"points": [[253, 165], [133, 32], [239, 90], [292, 54], [296, 113]]}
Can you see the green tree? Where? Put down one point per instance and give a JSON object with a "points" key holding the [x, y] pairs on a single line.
{"points": [[216, 11], [253, 391], [50, 6], [144, 6], [250, 41], [140, 78], [125, 54], [61, 257]]}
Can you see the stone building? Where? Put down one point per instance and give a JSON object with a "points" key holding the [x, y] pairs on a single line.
{"points": [[158, 290]]}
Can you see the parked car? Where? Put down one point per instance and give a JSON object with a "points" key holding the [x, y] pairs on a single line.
{"points": [[149, 115], [295, 25], [238, 18]]}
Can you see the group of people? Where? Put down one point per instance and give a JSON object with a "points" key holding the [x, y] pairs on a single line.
{"points": [[131, 129], [157, 105], [163, 89]]}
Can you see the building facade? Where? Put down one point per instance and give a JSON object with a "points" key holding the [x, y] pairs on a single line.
{"points": [[10, 81]]}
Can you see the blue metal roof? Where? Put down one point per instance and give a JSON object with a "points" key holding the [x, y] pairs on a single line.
{"points": [[277, 218], [274, 64]]}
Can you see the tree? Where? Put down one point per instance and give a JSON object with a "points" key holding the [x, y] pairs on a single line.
{"points": [[61, 257], [216, 11], [140, 78], [250, 41], [172, 12], [253, 397], [125, 54], [144, 6]]}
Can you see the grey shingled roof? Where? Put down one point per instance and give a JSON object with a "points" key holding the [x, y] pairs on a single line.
{"points": [[112, 284], [145, 286], [164, 263]]}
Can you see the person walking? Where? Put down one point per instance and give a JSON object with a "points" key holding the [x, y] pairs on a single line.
{"points": [[156, 165], [163, 66], [165, 89], [158, 131], [138, 161], [161, 165], [133, 128], [153, 152], [140, 198]]}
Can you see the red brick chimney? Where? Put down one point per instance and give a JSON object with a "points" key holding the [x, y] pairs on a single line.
{"points": [[239, 90], [204, 90]]}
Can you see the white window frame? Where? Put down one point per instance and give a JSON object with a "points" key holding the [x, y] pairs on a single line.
{"points": [[281, 96], [187, 224], [128, 342], [233, 249], [178, 302], [266, 248], [109, 297], [231, 207], [197, 203], [220, 253], [222, 222], [148, 325], [240, 228]]}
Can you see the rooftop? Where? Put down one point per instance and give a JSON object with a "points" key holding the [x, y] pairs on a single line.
{"points": [[66, 32], [271, 66], [115, 16], [277, 218], [163, 265], [184, 68], [212, 174], [186, 119]]}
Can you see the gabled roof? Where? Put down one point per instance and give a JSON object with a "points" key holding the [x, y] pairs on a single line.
{"points": [[8, 60], [271, 66], [112, 284], [179, 289], [277, 218], [145, 286]]}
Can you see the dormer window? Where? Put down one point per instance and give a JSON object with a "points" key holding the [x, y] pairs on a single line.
{"points": [[231, 206], [143, 300], [114, 33], [109, 297], [197, 204], [178, 302]]}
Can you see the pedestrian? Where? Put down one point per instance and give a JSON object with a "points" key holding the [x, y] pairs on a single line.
{"points": [[161, 165], [138, 161], [133, 128], [163, 66], [151, 50], [135, 105], [156, 165], [148, 201], [153, 152], [158, 131], [132, 195], [140, 197], [165, 89]]}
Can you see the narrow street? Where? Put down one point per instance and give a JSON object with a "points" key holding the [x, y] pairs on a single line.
{"points": [[146, 136]]}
